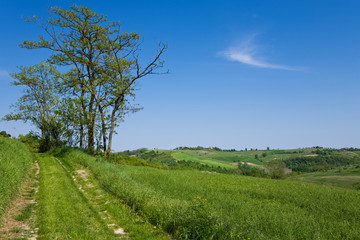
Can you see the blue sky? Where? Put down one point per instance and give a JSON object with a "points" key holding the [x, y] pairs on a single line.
{"points": [[255, 74]]}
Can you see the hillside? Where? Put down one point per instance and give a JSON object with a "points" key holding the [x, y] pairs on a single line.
{"points": [[230, 159], [132, 198], [228, 206]]}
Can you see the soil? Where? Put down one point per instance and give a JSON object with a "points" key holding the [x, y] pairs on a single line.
{"points": [[11, 228]]}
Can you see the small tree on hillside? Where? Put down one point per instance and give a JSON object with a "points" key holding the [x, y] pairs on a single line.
{"points": [[4, 134], [276, 169], [39, 103]]}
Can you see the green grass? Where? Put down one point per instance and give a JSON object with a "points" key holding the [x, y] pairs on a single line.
{"points": [[235, 206], [121, 215], [190, 157], [268, 209], [15, 163], [63, 212], [25, 213], [226, 159], [191, 219], [341, 177]]}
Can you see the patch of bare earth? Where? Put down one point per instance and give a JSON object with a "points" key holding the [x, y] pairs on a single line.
{"points": [[311, 155], [12, 228], [250, 164]]}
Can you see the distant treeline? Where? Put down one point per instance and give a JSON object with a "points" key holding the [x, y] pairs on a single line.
{"points": [[324, 160], [205, 148]]}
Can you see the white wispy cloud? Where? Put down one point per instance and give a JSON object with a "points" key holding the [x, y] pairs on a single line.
{"points": [[4, 74], [246, 52]]}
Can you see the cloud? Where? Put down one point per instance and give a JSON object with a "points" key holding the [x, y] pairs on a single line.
{"points": [[247, 53], [4, 74]]}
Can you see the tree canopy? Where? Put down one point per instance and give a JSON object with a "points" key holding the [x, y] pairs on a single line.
{"points": [[95, 88]]}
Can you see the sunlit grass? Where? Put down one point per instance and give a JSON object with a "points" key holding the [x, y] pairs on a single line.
{"points": [[239, 206], [15, 163]]}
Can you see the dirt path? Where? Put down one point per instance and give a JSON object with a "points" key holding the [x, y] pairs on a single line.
{"points": [[19, 220]]}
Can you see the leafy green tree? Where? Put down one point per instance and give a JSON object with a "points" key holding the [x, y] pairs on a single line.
{"points": [[276, 169], [105, 67], [39, 103], [4, 134]]}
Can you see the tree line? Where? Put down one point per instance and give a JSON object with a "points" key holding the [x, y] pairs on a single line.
{"points": [[83, 90]]}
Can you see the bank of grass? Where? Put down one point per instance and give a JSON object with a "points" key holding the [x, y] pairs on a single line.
{"points": [[200, 205], [15, 163]]}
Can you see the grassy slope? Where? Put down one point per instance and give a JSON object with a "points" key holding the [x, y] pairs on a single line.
{"points": [[183, 219], [348, 178], [253, 207], [15, 163], [226, 159], [268, 209]]}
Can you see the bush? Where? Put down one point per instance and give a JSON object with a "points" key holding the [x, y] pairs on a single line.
{"points": [[276, 169], [5, 134], [356, 186], [32, 140]]}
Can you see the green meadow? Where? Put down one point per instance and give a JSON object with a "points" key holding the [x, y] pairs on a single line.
{"points": [[236, 206], [94, 196], [229, 159], [348, 177]]}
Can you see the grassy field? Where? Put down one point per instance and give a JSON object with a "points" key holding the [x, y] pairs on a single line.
{"points": [[230, 159], [235, 206], [97, 199], [84, 209], [341, 177], [15, 163]]}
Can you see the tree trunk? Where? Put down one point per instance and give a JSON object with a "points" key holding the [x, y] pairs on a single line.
{"points": [[103, 128], [91, 126], [113, 121]]}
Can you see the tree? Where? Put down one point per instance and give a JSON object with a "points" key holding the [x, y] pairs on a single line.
{"points": [[276, 169], [104, 64], [5, 134], [39, 103]]}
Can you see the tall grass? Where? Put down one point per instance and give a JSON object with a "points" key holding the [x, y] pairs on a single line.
{"points": [[235, 206], [184, 219], [268, 209], [15, 163]]}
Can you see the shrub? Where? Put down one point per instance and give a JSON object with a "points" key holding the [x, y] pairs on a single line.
{"points": [[5, 134], [276, 169]]}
